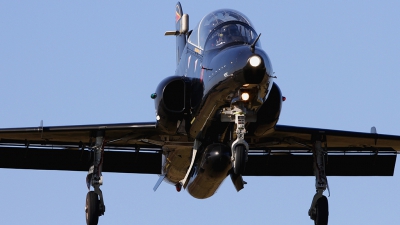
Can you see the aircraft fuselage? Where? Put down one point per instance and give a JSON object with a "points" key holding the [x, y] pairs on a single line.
{"points": [[222, 67]]}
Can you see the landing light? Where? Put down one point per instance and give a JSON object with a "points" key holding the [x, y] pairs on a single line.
{"points": [[245, 96], [255, 61]]}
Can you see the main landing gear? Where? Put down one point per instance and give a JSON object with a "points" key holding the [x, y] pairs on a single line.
{"points": [[94, 199], [319, 211]]}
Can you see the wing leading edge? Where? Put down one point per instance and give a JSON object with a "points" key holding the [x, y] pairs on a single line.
{"points": [[336, 138]]}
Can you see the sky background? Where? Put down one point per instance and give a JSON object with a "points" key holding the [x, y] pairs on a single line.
{"points": [[91, 62]]}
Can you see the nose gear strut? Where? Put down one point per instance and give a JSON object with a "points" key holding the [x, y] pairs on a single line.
{"points": [[238, 114]]}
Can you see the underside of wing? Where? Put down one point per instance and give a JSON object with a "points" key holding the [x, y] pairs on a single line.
{"points": [[128, 147], [287, 151]]}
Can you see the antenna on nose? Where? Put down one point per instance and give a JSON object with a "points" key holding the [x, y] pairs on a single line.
{"points": [[252, 46]]}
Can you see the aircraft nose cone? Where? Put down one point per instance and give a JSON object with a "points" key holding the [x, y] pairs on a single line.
{"points": [[242, 64]]}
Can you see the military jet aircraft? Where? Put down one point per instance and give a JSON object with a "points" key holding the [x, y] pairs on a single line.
{"points": [[217, 117]]}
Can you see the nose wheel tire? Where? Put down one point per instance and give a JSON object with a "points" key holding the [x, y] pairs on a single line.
{"points": [[92, 208], [239, 163], [322, 211]]}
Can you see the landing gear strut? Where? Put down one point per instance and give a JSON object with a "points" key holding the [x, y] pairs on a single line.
{"points": [[319, 211], [94, 199], [240, 147]]}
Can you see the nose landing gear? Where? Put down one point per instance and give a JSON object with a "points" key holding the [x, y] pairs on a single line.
{"points": [[319, 211], [240, 147]]}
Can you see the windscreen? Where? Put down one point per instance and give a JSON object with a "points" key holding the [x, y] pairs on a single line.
{"points": [[211, 21], [228, 34]]}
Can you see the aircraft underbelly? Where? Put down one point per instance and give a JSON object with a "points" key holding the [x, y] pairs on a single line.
{"points": [[176, 164], [210, 171]]}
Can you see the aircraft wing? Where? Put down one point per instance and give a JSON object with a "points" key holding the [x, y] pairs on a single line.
{"points": [[287, 151], [133, 148], [129, 147]]}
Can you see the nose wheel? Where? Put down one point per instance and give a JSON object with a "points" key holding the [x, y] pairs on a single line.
{"points": [[239, 163]]}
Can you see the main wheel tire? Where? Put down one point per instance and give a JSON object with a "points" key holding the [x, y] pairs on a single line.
{"points": [[322, 212], [240, 159], [92, 208]]}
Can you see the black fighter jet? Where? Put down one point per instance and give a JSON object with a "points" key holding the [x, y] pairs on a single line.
{"points": [[216, 117]]}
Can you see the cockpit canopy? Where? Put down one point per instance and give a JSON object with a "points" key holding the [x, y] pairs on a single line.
{"points": [[221, 28]]}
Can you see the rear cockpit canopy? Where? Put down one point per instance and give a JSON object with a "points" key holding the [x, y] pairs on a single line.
{"points": [[222, 28]]}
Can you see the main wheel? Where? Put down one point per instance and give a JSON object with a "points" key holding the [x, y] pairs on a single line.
{"points": [[240, 159], [92, 208], [322, 212]]}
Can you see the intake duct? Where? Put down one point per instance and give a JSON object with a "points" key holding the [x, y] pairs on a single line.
{"points": [[172, 100]]}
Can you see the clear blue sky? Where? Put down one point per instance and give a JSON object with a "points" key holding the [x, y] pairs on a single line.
{"points": [[85, 62]]}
